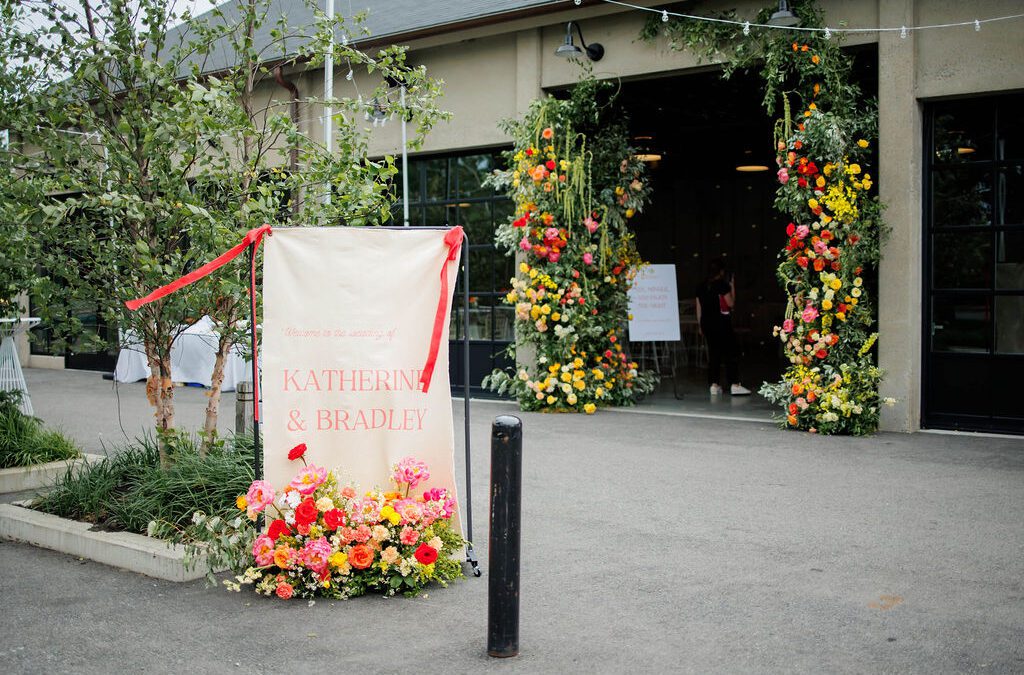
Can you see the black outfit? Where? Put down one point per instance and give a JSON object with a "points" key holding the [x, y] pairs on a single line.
{"points": [[717, 329]]}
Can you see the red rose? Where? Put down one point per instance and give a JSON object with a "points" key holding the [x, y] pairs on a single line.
{"points": [[306, 513], [529, 152], [801, 182], [425, 554], [835, 265], [550, 164], [277, 528], [334, 518], [297, 452], [821, 353], [802, 261], [790, 229]]}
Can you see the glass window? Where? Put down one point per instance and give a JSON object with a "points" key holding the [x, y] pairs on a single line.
{"points": [[962, 325], [963, 132], [1010, 324], [1010, 260], [1010, 195], [962, 259], [962, 196]]}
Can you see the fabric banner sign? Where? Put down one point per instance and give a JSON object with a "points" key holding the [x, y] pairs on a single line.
{"points": [[350, 316]]}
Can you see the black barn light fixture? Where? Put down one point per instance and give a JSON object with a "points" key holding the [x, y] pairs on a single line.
{"points": [[784, 17], [568, 49]]}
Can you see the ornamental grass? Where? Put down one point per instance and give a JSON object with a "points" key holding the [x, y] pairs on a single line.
{"points": [[128, 489], [24, 441]]}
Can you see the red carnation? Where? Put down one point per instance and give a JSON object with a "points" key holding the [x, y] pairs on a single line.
{"points": [[306, 513], [334, 518], [277, 528], [426, 554], [297, 452]]}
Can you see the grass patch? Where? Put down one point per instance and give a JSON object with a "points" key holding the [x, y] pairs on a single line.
{"points": [[128, 489], [24, 441]]}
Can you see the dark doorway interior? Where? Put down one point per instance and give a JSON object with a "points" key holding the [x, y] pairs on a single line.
{"points": [[703, 207]]}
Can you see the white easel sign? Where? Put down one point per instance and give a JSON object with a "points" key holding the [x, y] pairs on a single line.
{"points": [[654, 305]]}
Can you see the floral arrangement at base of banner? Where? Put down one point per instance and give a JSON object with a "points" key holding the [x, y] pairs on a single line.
{"points": [[835, 226], [576, 186], [331, 541]]}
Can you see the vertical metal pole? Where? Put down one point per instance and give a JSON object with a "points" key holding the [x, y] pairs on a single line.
{"points": [[503, 544], [253, 345], [329, 92], [470, 554], [405, 163]]}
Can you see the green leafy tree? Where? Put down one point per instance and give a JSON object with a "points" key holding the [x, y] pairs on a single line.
{"points": [[162, 166]]}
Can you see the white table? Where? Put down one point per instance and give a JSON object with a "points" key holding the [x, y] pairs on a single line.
{"points": [[192, 358], [11, 377]]}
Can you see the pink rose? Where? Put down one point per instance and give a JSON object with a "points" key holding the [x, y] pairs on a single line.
{"points": [[259, 496], [551, 233], [591, 225], [783, 175], [315, 553], [802, 231], [263, 550], [788, 325], [525, 244], [588, 259], [309, 479], [810, 313], [554, 256]]}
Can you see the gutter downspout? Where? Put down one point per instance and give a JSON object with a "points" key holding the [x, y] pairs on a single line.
{"points": [[293, 154]]}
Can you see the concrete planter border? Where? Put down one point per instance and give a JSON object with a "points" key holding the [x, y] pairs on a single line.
{"points": [[22, 478], [133, 552]]}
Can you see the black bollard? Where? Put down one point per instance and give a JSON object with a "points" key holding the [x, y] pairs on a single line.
{"points": [[503, 544]]}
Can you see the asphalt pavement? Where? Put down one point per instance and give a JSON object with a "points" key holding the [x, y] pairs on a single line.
{"points": [[651, 543]]}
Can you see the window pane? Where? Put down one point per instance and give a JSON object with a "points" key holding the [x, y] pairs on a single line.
{"points": [[438, 187], [1010, 195], [1010, 324], [961, 324], [1010, 260], [436, 216], [476, 218], [962, 197], [1011, 127], [963, 131], [471, 171], [963, 260], [481, 270]]}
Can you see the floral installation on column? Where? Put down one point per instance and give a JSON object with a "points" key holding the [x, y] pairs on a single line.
{"points": [[823, 152], [576, 185]]}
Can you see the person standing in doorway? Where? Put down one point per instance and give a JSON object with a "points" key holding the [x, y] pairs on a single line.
{"points": [[716, 297]]}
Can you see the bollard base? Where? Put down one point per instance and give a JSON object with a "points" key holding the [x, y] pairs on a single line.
{"points": [[503, 653], [471, 560]]}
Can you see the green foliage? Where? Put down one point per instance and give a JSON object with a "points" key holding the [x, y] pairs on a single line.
{"points": [[24, 441], [576, 185], [127, 490]]}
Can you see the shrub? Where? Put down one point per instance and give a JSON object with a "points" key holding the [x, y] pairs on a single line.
{"points": [[23, 439]]}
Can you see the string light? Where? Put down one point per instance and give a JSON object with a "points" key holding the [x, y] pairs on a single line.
{"points": [[746, 28], [578, 2], [827, 31]]}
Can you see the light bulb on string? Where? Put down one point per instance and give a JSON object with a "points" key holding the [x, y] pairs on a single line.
{"points": [[746, 28], [903, 32], [828, 33], [977, 26], [578, 2], [664, 16]]}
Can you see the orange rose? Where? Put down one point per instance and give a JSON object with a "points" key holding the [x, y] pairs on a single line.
{"points": [[360, 556]]}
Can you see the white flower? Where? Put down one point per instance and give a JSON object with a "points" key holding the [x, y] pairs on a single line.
{"points": [[324, 504], [436, 544], [293, 498]]}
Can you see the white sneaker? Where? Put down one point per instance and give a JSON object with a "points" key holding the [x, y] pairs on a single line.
{"points": [[716, 390], [739, 390]]}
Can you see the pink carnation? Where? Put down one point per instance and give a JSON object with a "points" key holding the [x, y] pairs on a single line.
{"points": [[309, 479], [410, 471], [315, 553], [363, 534], [347, 535], [263, 550], [259, 496], [408, 536]]}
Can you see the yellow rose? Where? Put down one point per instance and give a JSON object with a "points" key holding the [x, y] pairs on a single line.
{"points": [[579, 384], [862, 143], [836, 284], [858, 282], [571, 399], [826, 304], [524, 268], [629, 213], [551, 400], [242, 503], [589, 408]]}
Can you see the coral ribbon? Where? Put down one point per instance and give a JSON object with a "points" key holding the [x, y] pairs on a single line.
{"points": [[453, 240], [252, 238]]}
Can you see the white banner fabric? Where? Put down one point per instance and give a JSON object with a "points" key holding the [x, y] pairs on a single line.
{"points": [[348, 315]]}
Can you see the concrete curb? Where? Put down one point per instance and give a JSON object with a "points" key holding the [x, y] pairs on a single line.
{"points": [[133, 552], [21, 478]]}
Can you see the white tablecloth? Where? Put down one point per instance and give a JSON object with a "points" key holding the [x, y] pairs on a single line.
{"points": [[192, 358]]}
